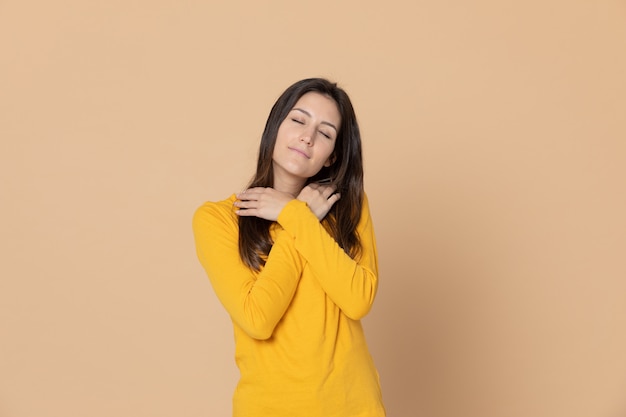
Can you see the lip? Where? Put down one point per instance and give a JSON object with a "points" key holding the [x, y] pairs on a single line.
{"points": [[301, 152]]}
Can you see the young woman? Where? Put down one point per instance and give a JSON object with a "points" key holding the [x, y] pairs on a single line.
{"points": [[293, 260]]}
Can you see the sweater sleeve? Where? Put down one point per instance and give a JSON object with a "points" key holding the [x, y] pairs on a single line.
{"points": [[350, 284], [255, 301]]}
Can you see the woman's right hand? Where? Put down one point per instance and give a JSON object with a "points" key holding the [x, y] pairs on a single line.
{"points": [[319, 198]]}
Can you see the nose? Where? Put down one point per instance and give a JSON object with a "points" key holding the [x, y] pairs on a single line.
{"points": [[307, 136]]}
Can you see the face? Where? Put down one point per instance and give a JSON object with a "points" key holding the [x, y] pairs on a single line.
{"points": [[306, 138]]}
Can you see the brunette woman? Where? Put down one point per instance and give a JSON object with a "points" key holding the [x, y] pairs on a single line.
{"points": [[293, 261]]}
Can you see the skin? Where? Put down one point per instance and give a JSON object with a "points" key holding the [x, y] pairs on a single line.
{"points": [[304, 144]]}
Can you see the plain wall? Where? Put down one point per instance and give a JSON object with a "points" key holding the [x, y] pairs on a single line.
{"points": [[495, 156]]}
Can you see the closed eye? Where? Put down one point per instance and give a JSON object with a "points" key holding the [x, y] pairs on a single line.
{"points": [[297, 121], [325, 134]]}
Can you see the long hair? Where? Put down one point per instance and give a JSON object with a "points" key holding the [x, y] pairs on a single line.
{"points": [[346, 173]]}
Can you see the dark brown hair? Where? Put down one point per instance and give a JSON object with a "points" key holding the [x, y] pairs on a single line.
{"points": [[346, 173]]}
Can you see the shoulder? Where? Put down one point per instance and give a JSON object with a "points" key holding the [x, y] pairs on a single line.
{"points": [[214, 213], [365, 204], [365, 201], [365, 219]]}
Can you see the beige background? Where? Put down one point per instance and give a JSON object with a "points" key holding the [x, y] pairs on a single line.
{"points": [[495, 146]]}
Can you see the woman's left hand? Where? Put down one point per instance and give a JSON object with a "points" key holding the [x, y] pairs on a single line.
{"points": [[263, 202], [320, 198]]}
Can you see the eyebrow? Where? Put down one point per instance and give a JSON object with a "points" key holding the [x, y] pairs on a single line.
{"points": [[322, 122]]}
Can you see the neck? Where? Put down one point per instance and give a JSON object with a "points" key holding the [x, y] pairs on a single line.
{"points": [[292, 186]]}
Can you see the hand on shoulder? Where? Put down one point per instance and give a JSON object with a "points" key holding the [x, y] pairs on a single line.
{"points": [[320, 198], [263, 202]]}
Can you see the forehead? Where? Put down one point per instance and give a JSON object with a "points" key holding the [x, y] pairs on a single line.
{"points": [[319, 106]]}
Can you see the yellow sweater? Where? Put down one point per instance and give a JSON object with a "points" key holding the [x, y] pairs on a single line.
{"points": [[299, 344]]}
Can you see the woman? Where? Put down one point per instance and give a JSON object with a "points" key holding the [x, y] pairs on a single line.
{"points": [[293, 260]]}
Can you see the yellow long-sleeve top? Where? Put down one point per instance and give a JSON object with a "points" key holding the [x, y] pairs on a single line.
{"points": [[299, 344]]}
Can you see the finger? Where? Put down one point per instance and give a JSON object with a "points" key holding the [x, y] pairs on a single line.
{"points": [[250, 194], [329, 190], [259, 190], [246, 212], [334, 198], [244, 204]]}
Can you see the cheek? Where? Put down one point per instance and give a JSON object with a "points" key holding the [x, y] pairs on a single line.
{"points": [[286, 129], [282, 131], [330, 148], [279, 136]]}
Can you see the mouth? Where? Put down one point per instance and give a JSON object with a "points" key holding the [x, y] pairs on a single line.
{"points": [[300, 152]]}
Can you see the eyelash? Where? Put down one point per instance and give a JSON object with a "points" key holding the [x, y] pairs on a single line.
{"points": [[327, 136]]}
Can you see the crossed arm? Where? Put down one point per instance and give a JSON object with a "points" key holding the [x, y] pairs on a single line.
{"points": [[257, 301]]}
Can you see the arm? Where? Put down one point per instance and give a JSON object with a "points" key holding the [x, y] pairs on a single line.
{"points": [[255, 302], [351, 284]]}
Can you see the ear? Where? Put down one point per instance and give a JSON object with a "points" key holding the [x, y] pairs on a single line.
{"points": [[331, 160]]}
